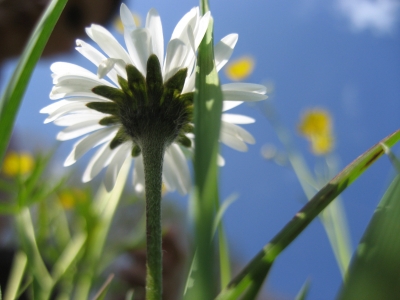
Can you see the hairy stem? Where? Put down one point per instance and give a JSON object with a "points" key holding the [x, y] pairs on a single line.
{"points": [[153, 154]]}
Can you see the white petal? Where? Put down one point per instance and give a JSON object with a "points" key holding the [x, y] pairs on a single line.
{"points": [[233, 142], [73, 119], [89, 142], [138, 175], [184, 22], [138, 44], [127, 17], [79, 129], [245, 87], [70, 106], [75, 80], [237, 119], [115, 165], [227, 105], [169, 173], [220, 161], [58, 92], [189, 83], [107, 42], [63, 68], [107, 65], [223, 50], [96, 57], [54, 106], [154, 25], [182, 170], [237, 131], [242, 96], [235, 136], [100, 159], [176, 54]]}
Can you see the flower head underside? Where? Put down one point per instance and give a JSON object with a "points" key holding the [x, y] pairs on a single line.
{"points": [[146, 96]]}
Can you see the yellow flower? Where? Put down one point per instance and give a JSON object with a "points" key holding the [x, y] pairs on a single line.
{"points": [[322, 144], [17, 164], [68, 198], [316, 126], [240, 68], [315, 122]]}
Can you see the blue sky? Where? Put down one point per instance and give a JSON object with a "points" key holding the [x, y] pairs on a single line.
{"points": [[341, 55]]}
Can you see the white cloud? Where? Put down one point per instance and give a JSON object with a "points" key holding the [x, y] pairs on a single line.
{"points": [[381, 16]]}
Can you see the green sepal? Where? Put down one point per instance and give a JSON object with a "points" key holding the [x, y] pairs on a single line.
{"points": [[124, 86], [108, 92], [136, 151], [120, 138], [177, 81], [109, 120], [137, 84], [188, 128], [154, 80], [187, 98], [104, 107], [184, 141], [173, 87]]}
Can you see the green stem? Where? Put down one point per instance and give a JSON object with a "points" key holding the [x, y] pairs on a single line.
{"points": [[153, 154]]}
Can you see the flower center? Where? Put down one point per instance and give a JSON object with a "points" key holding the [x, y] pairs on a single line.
{"points": [[146, 108]]}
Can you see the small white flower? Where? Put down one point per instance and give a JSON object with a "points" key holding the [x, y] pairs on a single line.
{"points": [[91, 106]]}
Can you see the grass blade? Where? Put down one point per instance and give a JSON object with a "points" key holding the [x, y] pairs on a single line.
{"points": [[265, 258], [375, 270], [16, 276], [14, 92], [68, 256], [207, 119], [302, 295]]}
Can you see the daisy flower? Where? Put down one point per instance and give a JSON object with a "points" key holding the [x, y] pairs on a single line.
{"points": [[145, 94]]}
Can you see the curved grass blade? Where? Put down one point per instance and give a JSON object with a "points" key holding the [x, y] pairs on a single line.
{"points": [[14, 92], [262, 262], [375, 270]]}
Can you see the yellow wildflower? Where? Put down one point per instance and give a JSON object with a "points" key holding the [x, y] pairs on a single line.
{"points": [[316, 126], [240, 68], [17, 164], [322, 144], [68, 198]]}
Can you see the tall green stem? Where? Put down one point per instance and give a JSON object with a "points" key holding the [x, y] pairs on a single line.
{"points": [[153, 154]]}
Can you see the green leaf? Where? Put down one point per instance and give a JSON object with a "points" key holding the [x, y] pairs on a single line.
{"points": [[375, 270], [262, 262], [302, 295], [207, 119], [103, 290], [14, 92]]}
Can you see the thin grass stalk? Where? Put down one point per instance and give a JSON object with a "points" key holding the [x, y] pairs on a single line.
{"points": [[263, 261], [105, 205], [16, 276]]}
